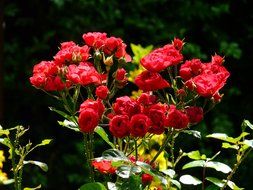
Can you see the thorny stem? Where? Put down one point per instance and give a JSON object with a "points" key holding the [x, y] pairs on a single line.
{"points": [[87, 156], [136, 150]]}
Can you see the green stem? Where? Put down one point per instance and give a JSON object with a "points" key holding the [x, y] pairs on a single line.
{"points": [[161, 148], [136, 150], [235, 168], [203, 177], [172, 151], [87, 156]]}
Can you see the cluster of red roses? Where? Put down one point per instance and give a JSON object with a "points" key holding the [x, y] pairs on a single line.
{"points": [[72, 64], [145, 114]]}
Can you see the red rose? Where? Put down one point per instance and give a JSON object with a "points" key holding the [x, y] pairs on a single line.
{"points": [[191, 69], [195, 114], [120, 74], [84, 74], [111, 45], [95, 39], [176, 118], [162, 58], [139, 125], [96, 105], [146, 99], [146, 178], [216, 59], [102, 92], [148, 81], [104, 166], [119, 126], [157, 116], [88, 120], [126, 106]]}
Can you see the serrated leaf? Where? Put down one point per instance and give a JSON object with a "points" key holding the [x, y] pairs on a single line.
{"points": [[32, 188], [228, 145], [215, 181], [93, 186], [101, 132], [248, 142], [197, 163], [176, 183], [218, 166], [189, 180], [195, 133], [69, 124], [223, 137], [169, 172], [42, 165]]}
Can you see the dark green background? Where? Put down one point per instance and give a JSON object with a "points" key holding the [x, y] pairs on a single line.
{"points": [[33, 30]]}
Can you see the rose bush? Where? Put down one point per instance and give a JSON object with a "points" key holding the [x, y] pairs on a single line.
{"points": [[175, 95]]}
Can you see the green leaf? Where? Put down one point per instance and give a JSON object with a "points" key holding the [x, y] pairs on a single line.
{"points": [[171, 173], [101, 132], [228, 145], [233, 186], [69, 124], [176, 183], [245, 124], [114, 155], [197, 163], [140, 52], [218, 166], [189, 180], [112, 186], [195, 155], [6, 142], [215, 181], [195, 133], [248, 142], [42, 165], [135, 182], [63, 114], [4, 132], [93, 186], [223, 137], [8, 181], [32, 188]]}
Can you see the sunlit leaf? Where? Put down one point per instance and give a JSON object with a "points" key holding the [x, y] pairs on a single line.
{"points": [[69, 124], [8, 181], [233, 186], [101, 132], [4, 132], [246, 123], [228, 145], [189, 180], [218, 166], [42, 165], [112, 186], [124, 171], [248, 142], [215, 181], [114, 155], [93, 186], [171, 173], [195, 133], [197, 163], [195, 155], [176, 183], [222, 136]]}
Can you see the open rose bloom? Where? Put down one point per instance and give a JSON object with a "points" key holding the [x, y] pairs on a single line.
{"points": [[176, 93]]}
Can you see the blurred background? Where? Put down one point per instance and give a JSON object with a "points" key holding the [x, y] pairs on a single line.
{"points": [[32, 31]]}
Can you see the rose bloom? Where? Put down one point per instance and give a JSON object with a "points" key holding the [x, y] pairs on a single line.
{"points": [[194, 113], [102, 92], [84, 74], [104, 166], [191, 69], [95, 39], [139, 125], [96, 105], [126, 106], [146, 178], [119, 126], [146, 99], [161, 58], [176, 118], [88, 120], [178, 44], [120, 74], [149, 81], [157, 116]]}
